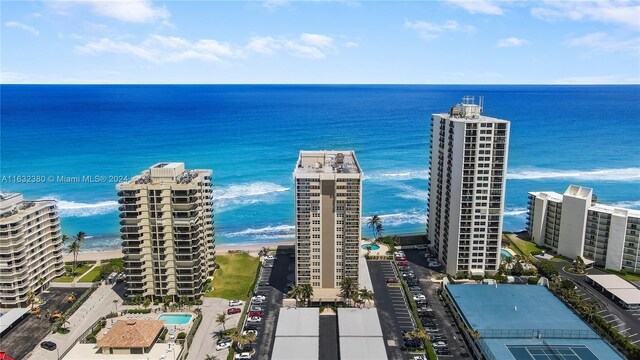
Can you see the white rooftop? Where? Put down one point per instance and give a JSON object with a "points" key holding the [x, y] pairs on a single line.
{"points": [[11, 317], [550, 195], [360, 347], [610, 281], [628, 296], [327, 161], [296, 348], [298, 322], [358, 322]]}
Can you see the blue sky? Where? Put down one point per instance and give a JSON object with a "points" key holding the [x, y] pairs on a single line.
{"points": [[444, 42]]}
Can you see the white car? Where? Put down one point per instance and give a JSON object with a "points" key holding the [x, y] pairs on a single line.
{"points": [[419, 357], [399, 254], [235, 302], [434, 264], [421, 247], [254, 319], [270, 257], [259, 298], [243, 356], [419, 297], [223, 345], [246, 332]]}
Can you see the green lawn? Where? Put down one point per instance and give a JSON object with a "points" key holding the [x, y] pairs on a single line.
{"points": [[527, 247], [81, 269], [559, 260], [93, 275], [235, 276]]}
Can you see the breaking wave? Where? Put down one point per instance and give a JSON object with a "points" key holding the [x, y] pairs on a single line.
{"points": [[625, 174]]}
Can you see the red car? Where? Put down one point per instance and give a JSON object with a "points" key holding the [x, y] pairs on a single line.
{"points": [[232, 311], [402, 263], [256, 314], [392, 280], [401, 258]]}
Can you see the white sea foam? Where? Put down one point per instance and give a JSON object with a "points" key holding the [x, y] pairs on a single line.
{"points": [[268, 232], [397, 175], [79, 209], [624, 174], [515, 212], [627, 204], [237, 195], [410, 217], [411, 193]]}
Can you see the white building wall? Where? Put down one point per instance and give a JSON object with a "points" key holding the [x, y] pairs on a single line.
{"points": [[575, 206], [615, 244]]}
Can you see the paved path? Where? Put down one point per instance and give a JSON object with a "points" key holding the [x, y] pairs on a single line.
{"points": [[203, 342], [99, 304]]}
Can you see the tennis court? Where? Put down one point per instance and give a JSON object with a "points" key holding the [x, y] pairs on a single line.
{"points": [[551, 352]]}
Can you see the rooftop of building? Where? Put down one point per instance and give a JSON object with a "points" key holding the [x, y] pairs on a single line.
{"points": [[550, 195], [583, 192], [624, 290], [468, 111], [578, 191], [12, 204], [359, 322], [521, 316], [298, 322], [327, 161], [167, 173], [132, 334]]}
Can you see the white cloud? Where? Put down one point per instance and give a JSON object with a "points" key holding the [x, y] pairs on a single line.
{"points": [[273, 4], [607, 11], [17, 25], [429, 30], [601, 42], [162, 49], [307, 45], [478, 6], [598, 80], [511, 42], [133, 11], [351, 45], [317, 40]]}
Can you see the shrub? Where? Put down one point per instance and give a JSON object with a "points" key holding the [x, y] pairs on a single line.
{"points": [[533, 280], [91, 339], [163, 334], [547, 269], [138, 311], [181, 335]]}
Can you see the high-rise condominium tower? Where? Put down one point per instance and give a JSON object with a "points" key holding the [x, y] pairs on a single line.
{"points": [[167, 231], [467, 187], [328, 210], [30, 248]]}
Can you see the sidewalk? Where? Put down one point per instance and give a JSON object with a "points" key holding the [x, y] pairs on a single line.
{"points": [[99, 304]]}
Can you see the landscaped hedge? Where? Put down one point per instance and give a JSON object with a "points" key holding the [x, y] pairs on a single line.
{"points": [[194, 328], [80, 300], [163, 335], [138, 311]]}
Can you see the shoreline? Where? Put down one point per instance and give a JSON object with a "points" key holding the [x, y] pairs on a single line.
{"points": [[252, 249]]}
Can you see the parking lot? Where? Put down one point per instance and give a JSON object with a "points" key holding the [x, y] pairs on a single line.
{"points": [[445, 327], [272, 282], [32, 330], [393, 310]]}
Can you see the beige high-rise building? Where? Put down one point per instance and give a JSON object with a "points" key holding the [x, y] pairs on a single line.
{"points": [[167, 231], [328, 197], [467, 188], [30, 248]]}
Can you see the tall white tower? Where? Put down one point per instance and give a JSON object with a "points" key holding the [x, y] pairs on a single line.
{"points": [[466, 192]]}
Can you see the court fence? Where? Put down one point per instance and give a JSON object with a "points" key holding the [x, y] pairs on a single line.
{"points": [[538, 334]]}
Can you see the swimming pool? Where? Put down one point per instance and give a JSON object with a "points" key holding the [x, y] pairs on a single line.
{"points": [[370, 246], [505, 254], [175, 319]]}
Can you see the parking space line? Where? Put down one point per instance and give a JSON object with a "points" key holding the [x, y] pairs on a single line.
{"points": [[601, 311], [606, 316], [633, 342], [632, 335], [621, 331], [623, 324]]}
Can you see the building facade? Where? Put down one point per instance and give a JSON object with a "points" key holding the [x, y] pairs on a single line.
{"points": [[30, 248], [468, 167], [574, 224], [328, 198], [167, 231]]}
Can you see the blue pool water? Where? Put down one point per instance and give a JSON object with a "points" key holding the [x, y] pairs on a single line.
{"points": [[175, 319], [370, 247], [505, 254]]}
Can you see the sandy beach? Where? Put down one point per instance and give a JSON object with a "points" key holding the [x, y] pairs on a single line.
{"points": [[252, 249]]}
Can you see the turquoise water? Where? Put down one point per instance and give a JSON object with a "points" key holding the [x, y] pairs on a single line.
{"points": [[505, 254], [251, 135], [175, 319], [370, 246]]}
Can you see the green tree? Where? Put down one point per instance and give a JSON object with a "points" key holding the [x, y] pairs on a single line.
{"points": [[578, 265], [547, 269], [222, 319], [372, 224], [62, 320], [31, 298], [74, 249], [379, 231], [306, 293], [348, 287], [146, 303], [366, 295], [296, 293], [517, 269]]}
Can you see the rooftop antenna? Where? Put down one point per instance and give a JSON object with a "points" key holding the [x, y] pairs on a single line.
{"points": [[481, 103], [468, 100]]}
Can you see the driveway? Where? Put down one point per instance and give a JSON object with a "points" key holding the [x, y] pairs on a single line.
{"points": [[203, 342]]}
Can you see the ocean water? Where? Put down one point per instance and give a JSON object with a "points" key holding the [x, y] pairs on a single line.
{"points": [[250, 136]]}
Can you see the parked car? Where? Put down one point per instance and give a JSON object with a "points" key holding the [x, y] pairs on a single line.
{"points": [[413, 343], [258, 297], [392, 280], [223, 345], [270, 257], [256, 308], [256, 314], [445, 351], [402, 263], [235, 302], [251, 326], [439, 337], [220, 341], [398, 253], [439, 344], [232, 311], [243, 356], [48, 345], [257, 302], [246, 332], [268, 264], [254, 319], [260, 293], [434, 264], [263, 283], [416, 288], [420, 357], [401, 258], [421, 246]]}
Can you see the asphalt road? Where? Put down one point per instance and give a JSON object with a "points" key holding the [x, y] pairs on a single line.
{"points": [[31, 331], [393, 310], [443, 318], [627, 322]]}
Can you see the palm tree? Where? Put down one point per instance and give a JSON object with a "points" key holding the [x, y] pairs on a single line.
{"points": [[366, 295], [296, 293], [31, 298], [74, 249], [417, 334], [264, 251], [348, 286], [79, 238], [251, 337], [146, 303], [306, 293], [578, 265], [241, 340], [63, 319], [222, 320], [183, 300], [373, 223], [379, 231]]}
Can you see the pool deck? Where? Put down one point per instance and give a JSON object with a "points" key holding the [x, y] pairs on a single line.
{"points": [[382, 251], [518, 314]]}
